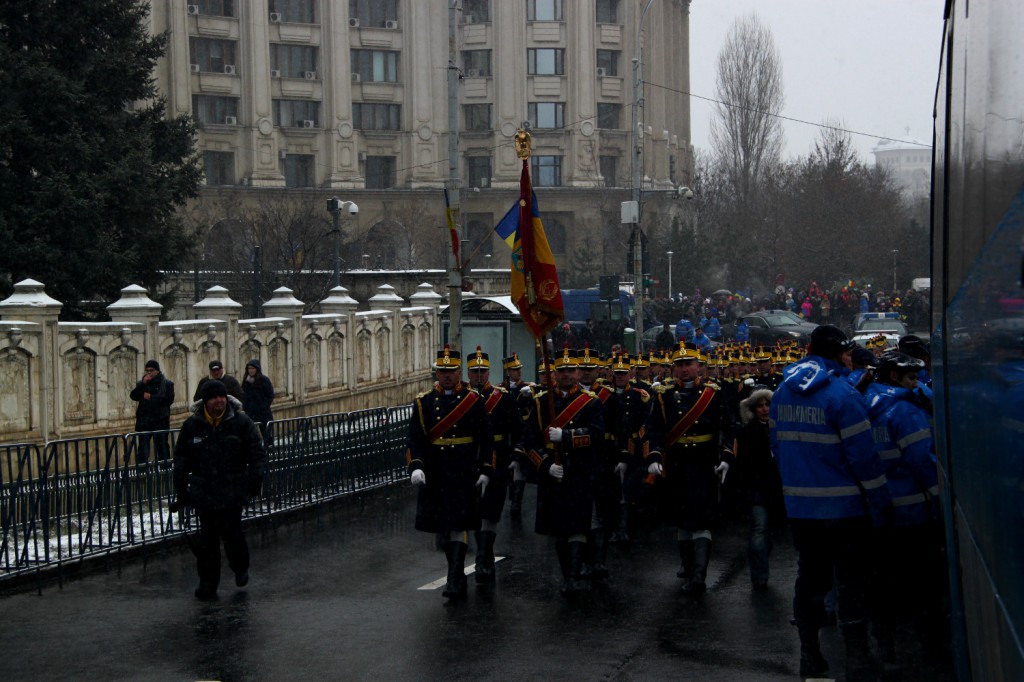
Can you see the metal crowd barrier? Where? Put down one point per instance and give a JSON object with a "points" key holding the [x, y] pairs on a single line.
{"points": [[71, 499]]}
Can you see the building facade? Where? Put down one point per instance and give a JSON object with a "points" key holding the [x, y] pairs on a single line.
{"points": [[328, 97], [910, 163]]}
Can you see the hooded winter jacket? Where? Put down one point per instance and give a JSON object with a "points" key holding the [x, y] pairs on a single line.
{"points": [[821, 437], [905, 444], [257, 394]]}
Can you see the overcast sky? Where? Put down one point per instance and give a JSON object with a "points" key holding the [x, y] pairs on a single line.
{"points": [[871, 63]]}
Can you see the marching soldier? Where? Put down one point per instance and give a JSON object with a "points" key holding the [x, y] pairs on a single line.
{"points": [[450, 457], [607, 489], [642, 373], [566, 451], [632, 407], [522, 393], [507, 427], [688, 448]]}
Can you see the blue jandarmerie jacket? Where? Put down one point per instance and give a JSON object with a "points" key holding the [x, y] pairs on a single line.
{"points": [[821, 437], [903, 437]]}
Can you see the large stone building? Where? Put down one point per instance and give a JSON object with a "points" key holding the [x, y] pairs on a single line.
{"points": [[313, 98], [910, 163]]}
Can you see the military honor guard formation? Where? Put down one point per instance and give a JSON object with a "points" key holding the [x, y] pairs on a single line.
{"points": [[684, 437]]}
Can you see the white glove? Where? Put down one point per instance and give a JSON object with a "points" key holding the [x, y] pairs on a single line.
{"points": [[418, 477], [514, 467], [527, 391], [555, 434], [482, 483], [557, 471], [620, 469], [722, 470], [655, 468], [748, 382]]}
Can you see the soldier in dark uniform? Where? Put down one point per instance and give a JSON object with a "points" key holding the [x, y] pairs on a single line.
{"points": [[607, 489], [687, 448], [566, 451], [450, 455], [764, 374], [632, 408], [522, 393], [641, 373], [507, 426]]}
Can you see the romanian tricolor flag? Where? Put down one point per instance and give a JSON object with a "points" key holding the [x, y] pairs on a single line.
{"points": [[535, 289]]}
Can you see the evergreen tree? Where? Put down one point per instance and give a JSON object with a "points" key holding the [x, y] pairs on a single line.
{"points": [[91, 168]]}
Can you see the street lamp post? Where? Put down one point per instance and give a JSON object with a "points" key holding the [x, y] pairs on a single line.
{"points": [[334, 207], [669, 254]]}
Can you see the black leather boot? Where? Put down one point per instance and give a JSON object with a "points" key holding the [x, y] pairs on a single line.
{"points": [[577, 583], [562, 550], [598, 547], [485, 557], [516, 497], [812, 663], [701, 557], [860, 662], [455, 588], [685, 562]]}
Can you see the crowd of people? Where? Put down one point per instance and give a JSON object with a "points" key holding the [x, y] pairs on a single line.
{"points": [[615, 444]]}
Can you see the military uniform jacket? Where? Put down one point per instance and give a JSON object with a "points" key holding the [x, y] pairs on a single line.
{"points": [[450, 439], [564, 507], [688, 453]]}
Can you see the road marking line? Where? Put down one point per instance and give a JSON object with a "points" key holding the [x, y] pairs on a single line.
{"points": [[470, 570]]}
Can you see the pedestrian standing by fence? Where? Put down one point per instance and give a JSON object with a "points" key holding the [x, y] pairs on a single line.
{"points": [[219, 465], [154, 394], [258, 393], [450, 456]]}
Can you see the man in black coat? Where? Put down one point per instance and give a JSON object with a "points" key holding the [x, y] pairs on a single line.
{"points": [[154, 394], [217, 372], [450, 456], [219, 465]]}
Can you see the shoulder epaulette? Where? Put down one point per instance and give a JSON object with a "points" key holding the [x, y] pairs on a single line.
{"points": [[712, 384], [424, 394], [537, 395], [588, 392], [501, 389], [661, 388]]}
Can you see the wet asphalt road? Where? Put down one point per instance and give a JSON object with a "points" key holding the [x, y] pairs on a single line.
{"points": [[335, 595]]}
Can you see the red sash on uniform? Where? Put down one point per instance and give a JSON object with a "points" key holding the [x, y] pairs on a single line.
{"points": [[690, 417], [492, 400], [570, 411], [455, 415], [603, 393]]}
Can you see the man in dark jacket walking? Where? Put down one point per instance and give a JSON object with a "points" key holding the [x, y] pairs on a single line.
{"points": [[217, 372], [155, 394], [219, 465]]}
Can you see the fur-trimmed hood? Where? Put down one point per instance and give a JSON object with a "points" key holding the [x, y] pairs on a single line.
{"points": [[747, 404]]}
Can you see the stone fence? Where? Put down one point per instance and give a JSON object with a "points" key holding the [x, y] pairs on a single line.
{"points": [[72, 379]]}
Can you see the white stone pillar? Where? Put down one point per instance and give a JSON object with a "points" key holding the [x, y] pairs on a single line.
{"points": [[219, 306], [284, 304], [136, 306]]}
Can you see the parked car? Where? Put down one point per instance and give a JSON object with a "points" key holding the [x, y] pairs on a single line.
{"points": [[768, 326]]}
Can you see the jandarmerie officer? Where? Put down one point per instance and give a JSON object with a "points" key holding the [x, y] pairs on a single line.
{"points": [[607, 490], [522, 393], [450, 455], [632, 407], [507, 426], [566, 451], [690, 439]]}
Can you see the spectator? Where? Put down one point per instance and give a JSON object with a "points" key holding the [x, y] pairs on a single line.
{"points": [[665, 338], [217, 372], [154, 394], [258, 393]]}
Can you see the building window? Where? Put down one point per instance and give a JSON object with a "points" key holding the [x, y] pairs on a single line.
{"points": [[380, 172], [607, 11], [476, 63], [544, 10], [609, 116], [216, 8], [607, 167], [545, 61], [295, 11], [212, 54], [609, 61], [546, 114], [478, 116], [479, 171], [376, 116], [373, 12], [476, 11], [375, 65], [296, 113], [293, 61], [546, 171], [300, 170], [219, 168], [209, 109]]}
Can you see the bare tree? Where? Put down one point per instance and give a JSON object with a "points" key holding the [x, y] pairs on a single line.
{"points": [[745, 130], [834, 146]]}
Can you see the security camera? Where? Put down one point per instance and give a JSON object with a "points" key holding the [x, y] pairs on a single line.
{"points": [[684, 193], [353, 209]]}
